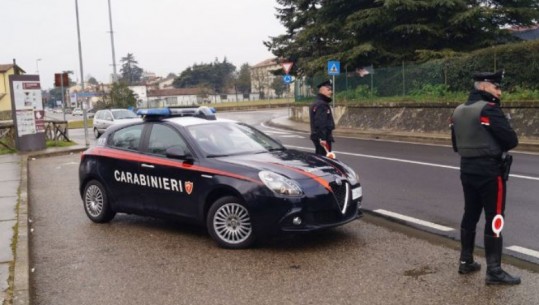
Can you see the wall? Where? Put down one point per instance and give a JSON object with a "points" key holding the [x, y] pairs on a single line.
{"points": [[419, 118]]}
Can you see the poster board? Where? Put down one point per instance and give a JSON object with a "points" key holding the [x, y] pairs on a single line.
{"points": [[27, 112]]}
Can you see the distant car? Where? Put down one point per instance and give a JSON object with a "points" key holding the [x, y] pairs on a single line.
{"points": [[105, 118], [77, 111], [90, 113], [226, 175]]}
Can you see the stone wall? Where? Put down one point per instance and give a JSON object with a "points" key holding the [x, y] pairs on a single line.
{"points": [[419, 118]]}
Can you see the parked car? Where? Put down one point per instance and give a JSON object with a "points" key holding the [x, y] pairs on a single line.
{"points": [[226, 175], [105, 118], [77, 111], [90, 113]]}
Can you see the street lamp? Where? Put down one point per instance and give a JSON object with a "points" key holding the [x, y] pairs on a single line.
{"points": [[37, 65]]}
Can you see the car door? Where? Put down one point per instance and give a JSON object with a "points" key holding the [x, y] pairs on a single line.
{"points": [[121, 168], [175, 187]]}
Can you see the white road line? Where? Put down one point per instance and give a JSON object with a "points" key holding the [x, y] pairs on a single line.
{"points": [[414, 220], [526, 251], [409, 161], [292, 136]]}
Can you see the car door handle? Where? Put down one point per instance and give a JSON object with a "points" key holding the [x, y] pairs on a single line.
{"points": [[147, 165]]}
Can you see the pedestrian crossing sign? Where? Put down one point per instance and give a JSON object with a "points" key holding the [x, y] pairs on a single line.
{"points": [[334, 67]]}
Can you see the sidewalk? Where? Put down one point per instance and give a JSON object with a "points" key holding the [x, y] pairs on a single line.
{"points": [[14, 222], [528, 145]]}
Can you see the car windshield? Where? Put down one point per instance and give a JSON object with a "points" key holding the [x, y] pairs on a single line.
{"points": [[123, 114], [225, 139]]}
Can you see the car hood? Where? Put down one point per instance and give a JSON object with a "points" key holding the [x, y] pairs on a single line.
{"points": [[291, 163]]}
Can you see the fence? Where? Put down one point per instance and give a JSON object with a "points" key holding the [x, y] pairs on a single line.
{"points": [[433, 77]]}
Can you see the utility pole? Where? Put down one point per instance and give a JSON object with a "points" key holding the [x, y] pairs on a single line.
{"points": [[85, 119], [114, 77]]}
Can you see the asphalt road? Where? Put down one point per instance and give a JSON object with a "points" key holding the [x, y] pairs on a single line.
{"points": [[419, 181], [138, 260]]}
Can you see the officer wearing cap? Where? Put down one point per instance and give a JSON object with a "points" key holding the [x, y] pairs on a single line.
{"points": [[482, 136], [322, 123]]}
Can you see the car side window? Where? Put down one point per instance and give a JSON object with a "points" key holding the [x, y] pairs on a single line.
{"points": [[98, 115], [163, 137], [108, 116], [127, 138]]}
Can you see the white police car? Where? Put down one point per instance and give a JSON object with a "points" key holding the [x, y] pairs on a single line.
{"points": [[237, 181]]}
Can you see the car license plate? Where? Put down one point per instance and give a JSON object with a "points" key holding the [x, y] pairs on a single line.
{"points": [[356, 193]]}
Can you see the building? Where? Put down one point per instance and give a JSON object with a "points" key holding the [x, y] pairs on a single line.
{"points": [[5, 91], [175, 97]]}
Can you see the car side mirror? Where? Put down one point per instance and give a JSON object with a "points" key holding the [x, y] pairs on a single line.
{"points": [[178, 153]]}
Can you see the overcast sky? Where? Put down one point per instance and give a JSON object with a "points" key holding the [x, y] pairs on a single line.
{"points": [[164, 35]]}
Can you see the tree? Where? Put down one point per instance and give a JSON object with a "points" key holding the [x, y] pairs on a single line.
{"points": [[120, 96], [364, 32], [278, 86], [216, 75], [130, 72], [243, 82], [92, 81]]}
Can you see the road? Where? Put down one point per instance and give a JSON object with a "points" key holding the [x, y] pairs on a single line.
{"points": [[405, 180], [139, 260], [149, 261]]}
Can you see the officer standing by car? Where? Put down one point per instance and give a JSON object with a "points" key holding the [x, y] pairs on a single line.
{"points": [[482, 135], [321, 117]]}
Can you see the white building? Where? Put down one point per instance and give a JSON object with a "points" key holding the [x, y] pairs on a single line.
{"points": [[262, 77]]}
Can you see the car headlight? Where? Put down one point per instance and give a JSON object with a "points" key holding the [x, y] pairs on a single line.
{"points": [[279, 184]]}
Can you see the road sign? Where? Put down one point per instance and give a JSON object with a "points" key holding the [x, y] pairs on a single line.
{"points": [[287, 79], [287, 66], [334, 67]]}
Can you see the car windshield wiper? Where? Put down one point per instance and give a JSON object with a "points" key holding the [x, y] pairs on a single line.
{"points": [[277, 149]]}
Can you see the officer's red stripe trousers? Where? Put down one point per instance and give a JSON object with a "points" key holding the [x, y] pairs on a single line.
{"points": [[499, 201]]}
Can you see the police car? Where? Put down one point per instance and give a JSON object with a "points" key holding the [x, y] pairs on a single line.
{"points": [[240, 183]]}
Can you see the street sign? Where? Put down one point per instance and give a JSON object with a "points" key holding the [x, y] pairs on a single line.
{"points": [[287, 79], [334, 67], [287, 66]]}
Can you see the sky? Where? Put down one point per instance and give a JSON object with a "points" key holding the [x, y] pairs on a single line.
{"points": [[164, 36]]}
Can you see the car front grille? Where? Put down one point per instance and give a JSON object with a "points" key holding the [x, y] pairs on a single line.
{"points": [[342, 194]]}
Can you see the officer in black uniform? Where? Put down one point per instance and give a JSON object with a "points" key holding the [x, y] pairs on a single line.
{"points": [[482, 135], [321, 116]]}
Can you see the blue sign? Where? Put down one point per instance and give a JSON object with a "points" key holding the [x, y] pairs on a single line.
{"points": [[287, 79], [334, 67]]}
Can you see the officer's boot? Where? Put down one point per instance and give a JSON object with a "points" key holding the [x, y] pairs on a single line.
{"points": [[467, 242], [493, 253]]}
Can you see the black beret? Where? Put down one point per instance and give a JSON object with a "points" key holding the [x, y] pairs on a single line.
{"points": [[325, 83], [491, 77]]}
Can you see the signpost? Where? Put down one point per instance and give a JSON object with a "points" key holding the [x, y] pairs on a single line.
{"points": [[334, 68], [287, 78], [27, 112]]}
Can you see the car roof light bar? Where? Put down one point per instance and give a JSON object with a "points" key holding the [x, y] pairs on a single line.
{"points": [[160, 113]]}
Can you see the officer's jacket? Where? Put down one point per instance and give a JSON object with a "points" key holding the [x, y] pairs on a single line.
{"points": [[480, 133], [321, 117]]}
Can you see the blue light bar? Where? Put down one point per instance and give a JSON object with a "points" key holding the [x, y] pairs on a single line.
{"points": [[154, 112], [160, 113]]}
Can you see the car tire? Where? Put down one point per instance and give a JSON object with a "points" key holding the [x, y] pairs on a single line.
{"points": [[229, 223], [96, 133], [96, 203]]}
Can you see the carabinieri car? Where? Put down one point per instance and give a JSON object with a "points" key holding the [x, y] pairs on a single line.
{"points": [[234, 179]]}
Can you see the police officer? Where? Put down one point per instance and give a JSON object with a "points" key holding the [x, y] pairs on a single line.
{"points": [[321, 117], [481, 134]]}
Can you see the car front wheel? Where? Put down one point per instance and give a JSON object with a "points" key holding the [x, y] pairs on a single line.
{"points": [[96, 133], [96, 204], [229, 223]]}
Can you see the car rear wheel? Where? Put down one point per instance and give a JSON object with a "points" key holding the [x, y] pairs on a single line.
{"points": [[96, 204], [96, 133], [229, 223]]}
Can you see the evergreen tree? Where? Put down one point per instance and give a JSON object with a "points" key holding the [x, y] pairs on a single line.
{"points": [[217, 75], [386, 32], [130, 72], [243, 83]]}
